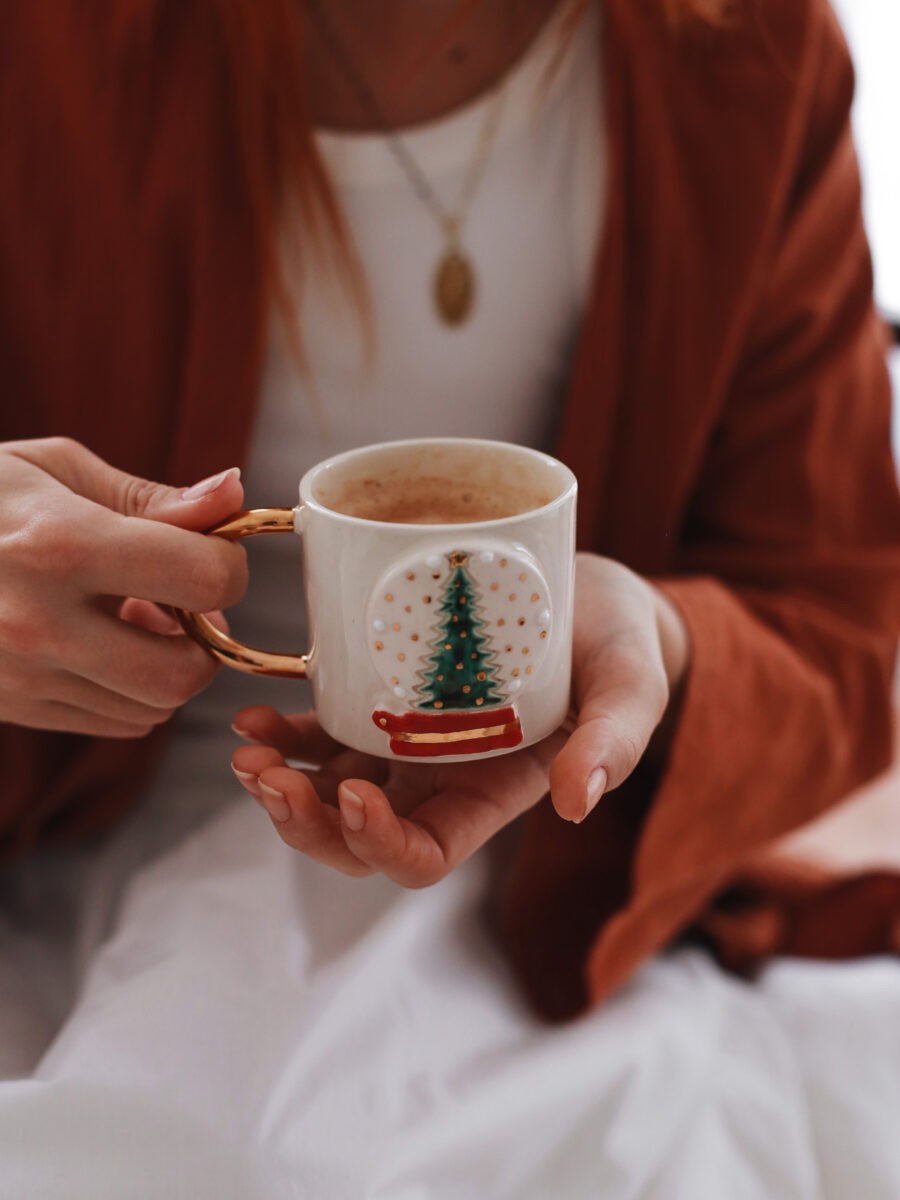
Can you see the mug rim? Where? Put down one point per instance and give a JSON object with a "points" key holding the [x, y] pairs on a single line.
{"points": [[308, 500]]}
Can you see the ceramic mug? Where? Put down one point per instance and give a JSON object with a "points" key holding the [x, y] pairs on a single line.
{"points": [[439, 577]]}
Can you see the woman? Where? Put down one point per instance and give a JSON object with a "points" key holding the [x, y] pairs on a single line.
{"points": [[672, 289]]}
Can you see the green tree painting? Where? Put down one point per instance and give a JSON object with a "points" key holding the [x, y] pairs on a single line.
{"points": [[460, 671]]}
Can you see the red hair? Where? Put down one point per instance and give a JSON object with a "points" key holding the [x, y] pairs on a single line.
{"points": [[274, 146]]}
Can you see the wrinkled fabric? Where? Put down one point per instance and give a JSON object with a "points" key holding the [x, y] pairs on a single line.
{"points": [[256, 1026]]}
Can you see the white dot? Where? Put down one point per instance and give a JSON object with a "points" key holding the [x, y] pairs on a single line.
{"points": [[486, 556], [543, 618], [515, 684], [400, 692], [378, 625], [433, 561]]}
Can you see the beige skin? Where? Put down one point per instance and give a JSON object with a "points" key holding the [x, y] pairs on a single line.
{"points": [[416, 822], [76, 535], [403, 52]]}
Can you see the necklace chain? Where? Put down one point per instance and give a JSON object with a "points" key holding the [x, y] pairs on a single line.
{"points": [[454, 280]]}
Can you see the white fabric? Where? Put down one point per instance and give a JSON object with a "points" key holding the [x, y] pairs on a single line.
{"points": [[260, 1027]]}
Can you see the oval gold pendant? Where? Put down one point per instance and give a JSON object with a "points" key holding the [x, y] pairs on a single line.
{"points": [[454, 287]]}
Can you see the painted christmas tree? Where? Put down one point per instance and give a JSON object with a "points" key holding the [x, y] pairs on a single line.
{"points": [[461, 673]]}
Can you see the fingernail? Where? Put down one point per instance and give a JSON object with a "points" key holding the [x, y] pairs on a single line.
{"points": [[206, 486], [596, 786], [247, 736], [274, 802], [353, 810], [245, 776]]}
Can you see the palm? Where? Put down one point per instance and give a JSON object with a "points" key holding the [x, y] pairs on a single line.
{"points": [[421, 819]]}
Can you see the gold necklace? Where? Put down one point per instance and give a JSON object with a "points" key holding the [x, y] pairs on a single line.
{"points": [[453, 283]]}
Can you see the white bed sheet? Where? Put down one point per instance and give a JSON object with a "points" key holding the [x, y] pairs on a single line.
{"points": [[235, 1022]]}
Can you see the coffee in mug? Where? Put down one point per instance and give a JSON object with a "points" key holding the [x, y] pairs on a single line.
{"points": [[439, 577]]}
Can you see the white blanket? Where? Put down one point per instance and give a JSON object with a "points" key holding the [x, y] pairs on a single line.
{"points": [[236, 1022]]}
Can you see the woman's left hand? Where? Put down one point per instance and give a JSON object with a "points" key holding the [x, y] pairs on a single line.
{"points": [[415, 822]]}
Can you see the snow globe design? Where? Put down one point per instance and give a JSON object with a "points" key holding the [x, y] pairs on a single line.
{"points": [[456, 633]]}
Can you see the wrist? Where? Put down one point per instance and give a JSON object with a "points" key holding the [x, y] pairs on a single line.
{"points": [[674, 639]]}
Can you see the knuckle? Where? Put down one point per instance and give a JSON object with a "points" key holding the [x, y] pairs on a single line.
{"points": [[48, 544], [24, 634], [61, 448], [220, 579], [137, 496], [181, 682]]}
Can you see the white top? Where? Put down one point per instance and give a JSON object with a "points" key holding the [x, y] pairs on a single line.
{"points": [[531, 231]]}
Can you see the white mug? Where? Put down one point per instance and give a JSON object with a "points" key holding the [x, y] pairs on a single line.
{"points": [[439, 577]]}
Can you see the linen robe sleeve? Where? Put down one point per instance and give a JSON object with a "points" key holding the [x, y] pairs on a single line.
{"points": [[788, 577]]}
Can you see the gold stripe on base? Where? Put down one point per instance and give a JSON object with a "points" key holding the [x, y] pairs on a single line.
{"points": [[458, 735]]}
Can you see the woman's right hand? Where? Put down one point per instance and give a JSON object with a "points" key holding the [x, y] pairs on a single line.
{"points": [[87, 553]]}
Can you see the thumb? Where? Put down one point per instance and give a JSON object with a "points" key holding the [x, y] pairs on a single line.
{"points": [[77, 468]]}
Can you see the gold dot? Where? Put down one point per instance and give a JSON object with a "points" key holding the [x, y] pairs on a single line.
{"points": [[462, 633], [508, 649], [534, 596], [401, 658], [440, 679], [516, 673], [521, 621], [467, 687], [459, 666], [524, 649], [414, 637], [473, 655], [394, 680], [462, 599], [523, 577], [455, 617], [438, 704], [407, 608], [529, 670], [382, 720], [447, 646], [395, 627], [426, 599], [379, 645], [481, 675], [502, 562], [480, 700], [501, 621], [389, 597], [543, 634], [494, 586], [410, 575], [512, 595]]}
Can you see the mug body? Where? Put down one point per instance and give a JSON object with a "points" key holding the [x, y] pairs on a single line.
{"points": [[439, 577]]}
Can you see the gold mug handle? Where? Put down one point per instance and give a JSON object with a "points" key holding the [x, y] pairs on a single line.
{"points": [[229, 650]]}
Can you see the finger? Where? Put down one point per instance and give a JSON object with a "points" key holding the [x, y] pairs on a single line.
{"points": [[304, 822], [444, 829], [82, 472], [299, 736], [151, 560], [75, 692], [64, 718], [147, 615], [249, 762], [153, 669], [621, 694]]}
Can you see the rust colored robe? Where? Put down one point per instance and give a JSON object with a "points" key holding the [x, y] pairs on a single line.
{"points": [[727, 419]]}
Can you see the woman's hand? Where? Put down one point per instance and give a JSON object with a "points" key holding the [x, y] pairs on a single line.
{"points": [[86, 555], [416, 822]]}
